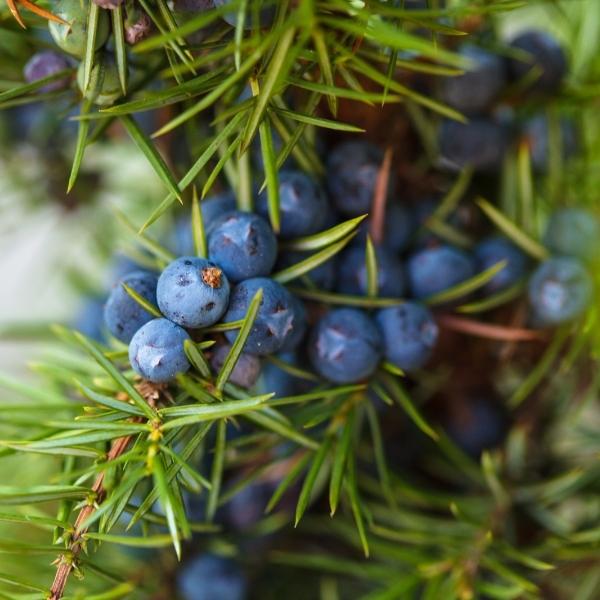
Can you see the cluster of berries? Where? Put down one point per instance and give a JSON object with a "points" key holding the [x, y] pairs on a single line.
{"points": [[71, 35], [535, 67], [345, 344]]}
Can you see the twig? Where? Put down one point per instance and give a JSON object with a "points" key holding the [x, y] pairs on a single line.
{"points": [[377, 220], [487, 330], [66, 562]]}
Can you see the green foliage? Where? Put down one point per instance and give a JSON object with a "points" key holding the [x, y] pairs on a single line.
{"points": [[514, 525]]}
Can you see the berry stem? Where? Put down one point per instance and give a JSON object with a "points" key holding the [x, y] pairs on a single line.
{"points": [[380, 198]]}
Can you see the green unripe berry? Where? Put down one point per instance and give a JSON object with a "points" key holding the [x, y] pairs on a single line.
{"points": [[73, 39], [104, 86]]}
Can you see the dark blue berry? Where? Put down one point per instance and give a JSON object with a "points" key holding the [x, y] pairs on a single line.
{"points": [[352, 170], [398, 227], [495, 249], [211, 209], [434, 270], [573, 232], [192, 292], [247, 507], [409, 334], [476, 425], [352, 273], [44, 64], [299, 330], [322, 277], [540, 51], [265, 15], [475, 90], [243, 244], [89, 319], [536, 134], [156, 351], [122, 314], [211, 577], [246, 370], [276, 321], [560, 289], [345, 346], [278, 381], [302, 205], [480, 143]]}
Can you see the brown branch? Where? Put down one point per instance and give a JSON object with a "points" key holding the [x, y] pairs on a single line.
{"points": [[376, 227], [489, 331], [66, 562]]}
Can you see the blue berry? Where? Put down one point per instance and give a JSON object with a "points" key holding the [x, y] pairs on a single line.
{"points": [[122, 314], [345, 346], [541, 52], [89, 319], [192, 292], [352, 273], [243, 244], [212, 209], [274, 380], [476, 426], [211, 577], [480, 143], [246, 370], [475, 90], [44, 64], [299, 330], [398, 227], [352, 170], [276, 320], [559, 290], [247, 507], [434, 270], [537, 136], [322, 277], [495, 249], [573, 232], [156, 351], [409, 334], [265, 15], [302, 205]]}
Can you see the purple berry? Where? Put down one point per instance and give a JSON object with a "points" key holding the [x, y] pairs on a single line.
{"points": [[108, 4], [44, 64]]}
